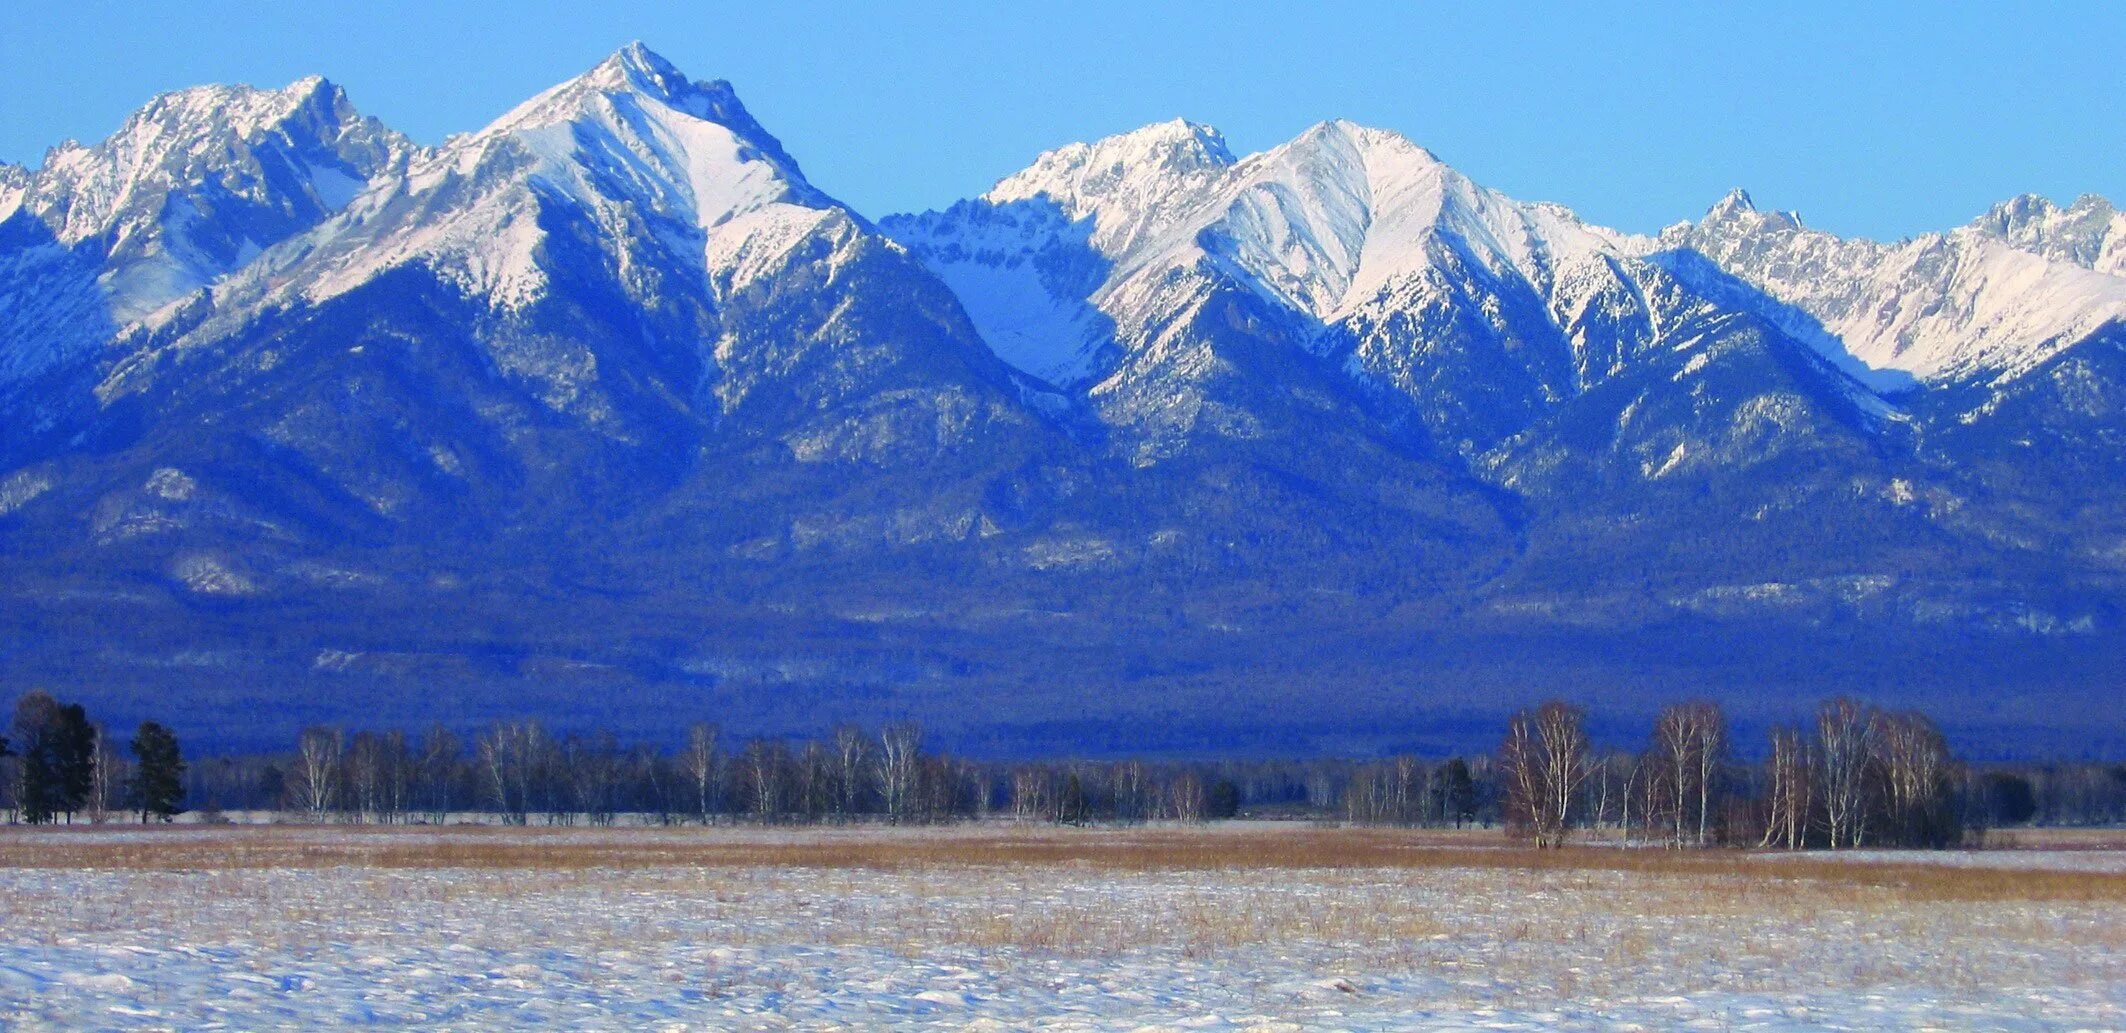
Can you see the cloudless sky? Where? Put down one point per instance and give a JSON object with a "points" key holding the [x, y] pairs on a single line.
{"points": [[1881, 119]]}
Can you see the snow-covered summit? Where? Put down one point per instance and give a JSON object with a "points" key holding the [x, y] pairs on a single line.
{"points": [[1738, 206], [656, 161], [1343, 213], [1326, 225], [195, 185], [659, 117], [2090, 233], [1989, 300], [300, 146], [1128, 185]]}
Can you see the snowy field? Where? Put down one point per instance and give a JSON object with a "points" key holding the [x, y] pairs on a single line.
{"points": [[1220, 929]]}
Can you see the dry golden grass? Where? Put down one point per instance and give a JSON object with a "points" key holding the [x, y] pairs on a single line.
{"points": [[1233, 847]]}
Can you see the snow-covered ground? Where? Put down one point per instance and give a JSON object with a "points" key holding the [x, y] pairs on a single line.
{"points": [[347, 932]]}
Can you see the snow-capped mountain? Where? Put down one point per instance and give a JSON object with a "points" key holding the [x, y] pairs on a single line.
{"points": [[657, 162], [1969, 303], [608, 245], [1479, 312], [193, 186], [2089, 233], [608, 390]]}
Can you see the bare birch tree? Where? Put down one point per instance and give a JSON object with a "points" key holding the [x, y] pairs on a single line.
{"points": [[1689, 746], [899, 762], [1845, 744], [702, 762], [1543, 764], [1788, 798], [316, 782], [852, 757], [763, 764]]}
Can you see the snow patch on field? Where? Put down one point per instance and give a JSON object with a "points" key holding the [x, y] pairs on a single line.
{"points": [[1003, 947]]}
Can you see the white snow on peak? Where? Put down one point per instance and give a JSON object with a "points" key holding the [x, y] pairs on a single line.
{"points": [[2090, 233], [1342, 214], [1988, 300], [1336, 220], [1129, 184], [657, 160], [194, 185], [1737, 205], [187, 137], [14, 181], [635, 124]]}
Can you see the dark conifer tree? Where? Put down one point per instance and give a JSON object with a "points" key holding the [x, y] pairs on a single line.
{"points": [[74, 759], [36, 736], [158, 777], [1459, 792]]}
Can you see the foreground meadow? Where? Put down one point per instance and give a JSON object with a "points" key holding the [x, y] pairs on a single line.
{"points": [[1249, 926]]}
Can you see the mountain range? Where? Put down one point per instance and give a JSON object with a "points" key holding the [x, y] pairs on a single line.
{"points": [[604, 413]]}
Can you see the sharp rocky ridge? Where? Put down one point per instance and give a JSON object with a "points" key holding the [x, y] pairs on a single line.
{"points": [[259, 351]]}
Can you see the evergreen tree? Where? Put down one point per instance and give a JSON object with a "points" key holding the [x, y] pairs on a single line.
{"points": [[1459, 792], [36, 736], [74, 759], [158, 778], [1071, 809]]}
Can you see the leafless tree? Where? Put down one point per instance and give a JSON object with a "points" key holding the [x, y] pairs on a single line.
{"points": [[763, 764], [316, 778], [1845, 744], [1127, 780], [1916, 772], [653, 782], [813, 778], [1689, 746], [396, 779], [591, 768], [702, 762], [360, 778], [1788, 793], [1030, 795], [1543, 764], [1186, 800], [899, 763], [511, 755], [109, 779], [852, 759], [437, 769]]}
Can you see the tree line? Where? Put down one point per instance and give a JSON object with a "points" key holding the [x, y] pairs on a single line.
{"points": [[55, 764], [1854, 776]]}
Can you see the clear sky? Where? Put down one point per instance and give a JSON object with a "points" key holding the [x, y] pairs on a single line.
{"points": [[1882, 119]]}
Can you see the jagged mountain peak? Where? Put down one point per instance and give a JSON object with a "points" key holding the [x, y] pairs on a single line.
{"points": [[1384, 145], [1989, 301], [211, 134], [1738, 208], [1080, 173], [2090, 232], [1129, 184], [654, 160], [1734, 202], [637, 65], [14, 180], [638, 117], [194, 185]]}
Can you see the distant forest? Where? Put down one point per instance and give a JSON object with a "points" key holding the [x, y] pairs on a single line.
{"points": [[1856, 776]]}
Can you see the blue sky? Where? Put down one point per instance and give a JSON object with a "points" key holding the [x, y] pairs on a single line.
{"points": [[1879, 119]]}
